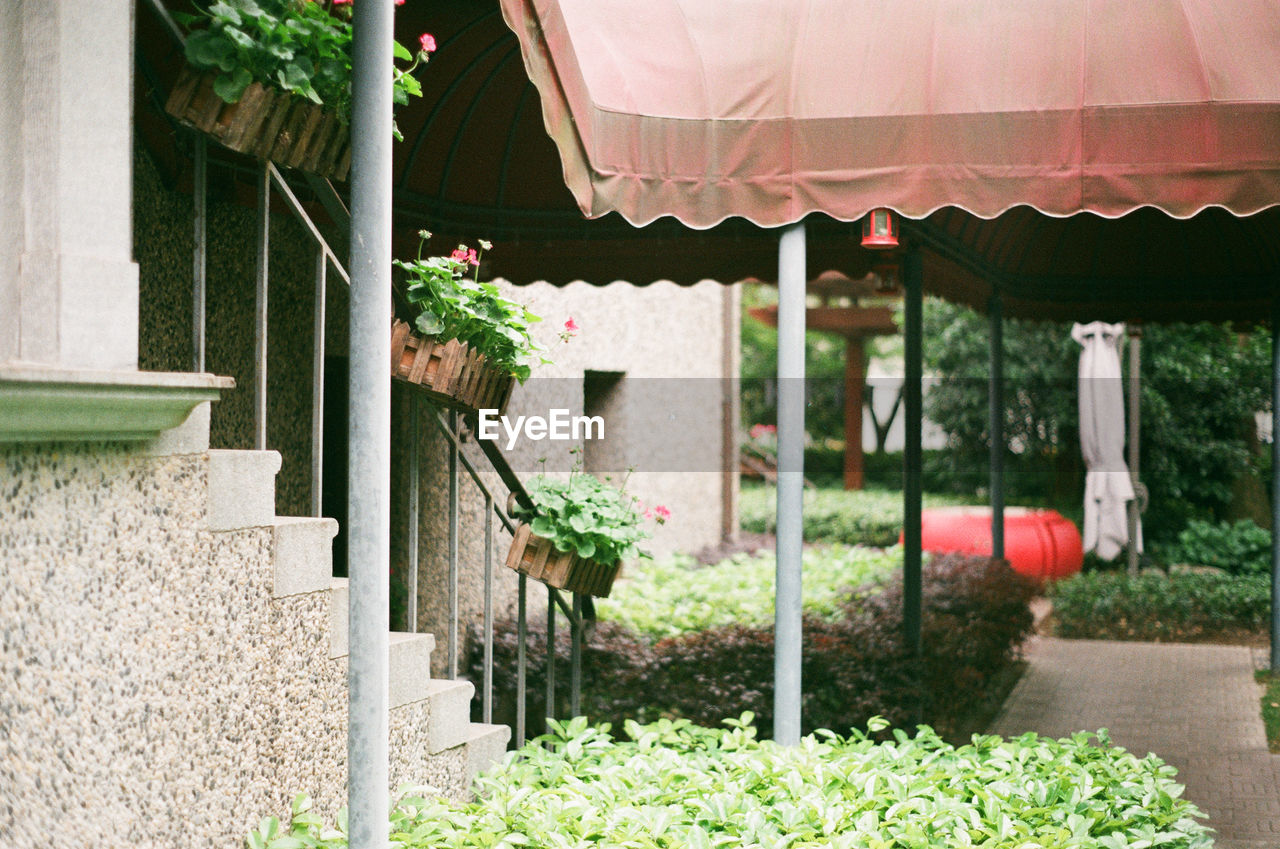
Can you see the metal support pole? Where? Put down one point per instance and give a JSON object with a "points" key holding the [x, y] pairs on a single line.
{"points": [[200, 254], [486, 698], [913, 288], [575, 658], [522, 661], [995, 313], [551, 659], [1135, 411], [415, 513], [1275, 485], [453, 546], [788, 646], [260, 312], [369, 499], [317, 385]]}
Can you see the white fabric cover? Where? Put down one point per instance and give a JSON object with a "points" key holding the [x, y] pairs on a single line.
{"points": [[1108, 486]]}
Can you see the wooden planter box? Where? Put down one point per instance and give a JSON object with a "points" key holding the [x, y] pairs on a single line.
{"points": [[451, 371], [265, 123], [538, 558]]}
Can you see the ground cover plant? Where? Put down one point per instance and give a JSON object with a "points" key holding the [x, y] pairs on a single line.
{"points": [[676, 596], [673, 784], [854, 517], [1240, 548], [1270, 682], [856, 663], [1184, 605]]}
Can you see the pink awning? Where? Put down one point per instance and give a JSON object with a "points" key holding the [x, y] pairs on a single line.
{"points": [[773, 109]]}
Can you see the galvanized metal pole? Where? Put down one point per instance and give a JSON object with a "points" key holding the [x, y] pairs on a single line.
{"points": [[1135, 429], [912, 392], [788, 644], [415, 513], [369, 501], [317, 385], [995, 313], [1275, 485], [261, 291], [200, 254]]}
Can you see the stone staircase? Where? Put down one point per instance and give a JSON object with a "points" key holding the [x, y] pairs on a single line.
{"points": [[241, 486]]}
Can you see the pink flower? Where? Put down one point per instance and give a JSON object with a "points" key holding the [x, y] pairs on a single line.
{"points": [[342, 2], [662, 514], [428, 42], [399, 2], [571, 325], [464, 255], [757, 431]]}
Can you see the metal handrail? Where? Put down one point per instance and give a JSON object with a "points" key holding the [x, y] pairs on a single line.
{"points": [[578, 612]]}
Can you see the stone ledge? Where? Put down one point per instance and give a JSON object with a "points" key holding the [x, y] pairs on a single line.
{"points": [[39, 404]]}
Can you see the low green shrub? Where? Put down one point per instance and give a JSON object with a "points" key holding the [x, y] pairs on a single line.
{"points": [[1242, 548], [1153, 606], [856, 663], [672, 784], [855, 517], [676, 596]]}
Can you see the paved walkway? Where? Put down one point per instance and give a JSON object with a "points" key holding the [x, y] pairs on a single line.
{"points": [[1195, 706]]}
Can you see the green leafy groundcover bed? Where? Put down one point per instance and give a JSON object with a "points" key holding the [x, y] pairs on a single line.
{"points": [[667, 598], [673, 784]]}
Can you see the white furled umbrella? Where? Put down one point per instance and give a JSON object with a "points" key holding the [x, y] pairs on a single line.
{"points": [[1107, 487]]}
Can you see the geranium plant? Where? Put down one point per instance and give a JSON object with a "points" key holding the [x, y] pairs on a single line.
{"points": [[456, 305], [590, 516], [299, 46]]}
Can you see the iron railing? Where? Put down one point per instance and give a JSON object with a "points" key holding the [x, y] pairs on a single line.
{"points": [[577, 611]]}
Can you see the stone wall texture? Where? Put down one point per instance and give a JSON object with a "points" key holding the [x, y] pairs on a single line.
{"points": [[156, 693]]}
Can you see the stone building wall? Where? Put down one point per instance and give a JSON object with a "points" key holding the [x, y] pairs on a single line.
{"points": [[156, 694]]}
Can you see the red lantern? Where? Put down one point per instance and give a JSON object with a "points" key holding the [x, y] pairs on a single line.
{"points": [[880, 229]]}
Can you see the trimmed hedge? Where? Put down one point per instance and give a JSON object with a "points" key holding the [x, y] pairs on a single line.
{"points": [[855, 517], [856, 665], [1153, 606]]}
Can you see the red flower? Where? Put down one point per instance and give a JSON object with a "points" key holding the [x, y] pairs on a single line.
{"points": [[464, 255], [428, 42], [760, 430], [342, 2], [570, 325]]}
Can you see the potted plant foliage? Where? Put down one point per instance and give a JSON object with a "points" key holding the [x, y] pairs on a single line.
{"points": [[272, 78], [472, 344], [579, 531]]}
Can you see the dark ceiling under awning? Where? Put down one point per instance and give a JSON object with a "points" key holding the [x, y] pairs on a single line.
{"points": [[477, 160]]}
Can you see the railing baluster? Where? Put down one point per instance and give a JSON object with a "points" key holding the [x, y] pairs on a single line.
{"points": [[522, 639], [260, 312], [317, 385], [551, 658], [575, 658], [487, 697], [415, 515], [453, 547], [200, 254]]}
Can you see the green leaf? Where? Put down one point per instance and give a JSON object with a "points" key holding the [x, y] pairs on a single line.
{"points": [[401, 52], [231, 87], [586, 548]]}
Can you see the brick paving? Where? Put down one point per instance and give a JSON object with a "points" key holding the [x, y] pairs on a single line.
{"points": [[1196, 706]]}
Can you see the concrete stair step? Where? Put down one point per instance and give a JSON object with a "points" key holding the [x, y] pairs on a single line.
{"points": [[242, 489], [486, 745], [449, 718], [303, 555]]}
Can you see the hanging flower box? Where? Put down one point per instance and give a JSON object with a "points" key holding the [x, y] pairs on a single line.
{"points": [[538, 558], [265, 123], [449, 370]]}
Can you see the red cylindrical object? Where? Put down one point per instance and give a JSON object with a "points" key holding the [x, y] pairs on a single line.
{"points": [[1041, 544]]}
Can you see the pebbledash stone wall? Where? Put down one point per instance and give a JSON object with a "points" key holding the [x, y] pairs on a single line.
{"points": [[155, 693]]}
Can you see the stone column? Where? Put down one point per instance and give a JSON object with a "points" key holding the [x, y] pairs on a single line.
{"points": [[68, 283]]}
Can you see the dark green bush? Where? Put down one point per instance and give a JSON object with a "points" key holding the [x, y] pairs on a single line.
{"points": [[854, 667], [1153, 606], [1242, 548]]}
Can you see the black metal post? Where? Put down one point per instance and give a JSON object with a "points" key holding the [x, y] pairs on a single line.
{"points": [[913, 294], [995, 313]]}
